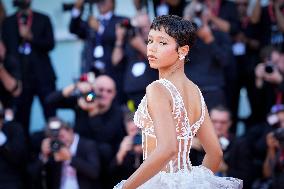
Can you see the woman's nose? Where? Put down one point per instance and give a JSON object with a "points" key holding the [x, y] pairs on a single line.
{"points": [[152, 47]]}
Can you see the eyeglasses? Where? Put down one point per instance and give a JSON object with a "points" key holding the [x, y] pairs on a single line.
{"points": [[109, 91]]}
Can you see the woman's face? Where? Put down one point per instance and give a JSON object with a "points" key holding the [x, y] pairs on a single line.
{"points": [[161, 49]]}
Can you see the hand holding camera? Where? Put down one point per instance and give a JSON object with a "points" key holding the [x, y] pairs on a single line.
{"points": [[267, 72], [63, 154]]}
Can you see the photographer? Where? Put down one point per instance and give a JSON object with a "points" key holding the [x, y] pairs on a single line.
{"points": [[129, 156], [28, 38], [13, 153], [130, 50], [274, 163], [218, 48], [270, 19], [66, 159], [98, 119], [99, 36], [269, 79]]}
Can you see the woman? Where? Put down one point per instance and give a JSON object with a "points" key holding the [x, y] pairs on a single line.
{"points": [[171, 113]]}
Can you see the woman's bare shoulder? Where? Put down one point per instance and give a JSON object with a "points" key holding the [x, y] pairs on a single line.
{"points": [[156, 89], [191, 87]]}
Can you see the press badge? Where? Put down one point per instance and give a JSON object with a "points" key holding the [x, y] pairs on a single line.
{"points": [[138, 69], [98, 51], [239, 49]]}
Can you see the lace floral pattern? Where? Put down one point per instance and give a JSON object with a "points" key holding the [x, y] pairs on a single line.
{"points": [[185, 132], [198, 178], [179, 173]]}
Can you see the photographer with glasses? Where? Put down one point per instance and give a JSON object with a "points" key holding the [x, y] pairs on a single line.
{"points": [[97, 117], [98, 33], [63, 159]]}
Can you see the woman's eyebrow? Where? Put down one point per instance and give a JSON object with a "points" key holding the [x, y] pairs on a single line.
{"points": [[159, 37]]}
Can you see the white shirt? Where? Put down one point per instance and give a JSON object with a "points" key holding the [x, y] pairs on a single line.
{"points": [[3, 138], [68, 174]]}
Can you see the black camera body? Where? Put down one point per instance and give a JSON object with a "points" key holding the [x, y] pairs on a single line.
{"points": [[269, 68], [279, 135], [54, 127], [55, 145], [130, 29], [89, 97]]}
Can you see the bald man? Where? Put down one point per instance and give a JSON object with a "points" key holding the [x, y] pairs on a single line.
{"points": [[100, 120]]}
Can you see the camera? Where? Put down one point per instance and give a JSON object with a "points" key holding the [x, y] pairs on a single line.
{"points": [[130, 29], [89, 97], [54, 128], [279, 135], [21, 4], [269, 67]]}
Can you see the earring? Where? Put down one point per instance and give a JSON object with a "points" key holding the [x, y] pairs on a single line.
{"points": [[181, 57]]}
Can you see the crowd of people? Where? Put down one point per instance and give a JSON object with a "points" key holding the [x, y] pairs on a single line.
{"points": [[240, 44]]}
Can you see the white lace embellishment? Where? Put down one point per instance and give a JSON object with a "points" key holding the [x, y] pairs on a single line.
{"points": [[185, 131]]}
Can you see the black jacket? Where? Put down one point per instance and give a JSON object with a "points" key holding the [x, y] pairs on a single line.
{"points": [[13, 156], [86, 162], [37, 65]]}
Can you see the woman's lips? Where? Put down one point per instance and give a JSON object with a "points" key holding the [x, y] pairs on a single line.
{"points": [[152, 58]]}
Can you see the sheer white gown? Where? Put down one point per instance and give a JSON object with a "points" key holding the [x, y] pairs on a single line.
{"points": [[178, 173]]}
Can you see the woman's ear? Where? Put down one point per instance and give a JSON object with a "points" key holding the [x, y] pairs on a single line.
{"points": [[183, 51]]}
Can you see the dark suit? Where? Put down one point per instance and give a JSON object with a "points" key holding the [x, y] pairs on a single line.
{"points": [[36, 71], [107, 40], [12, 157], [85, 162], [106, 129]]}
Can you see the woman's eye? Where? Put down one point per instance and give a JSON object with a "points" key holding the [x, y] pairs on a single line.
{"points": [[149, 41], [163, 43]]}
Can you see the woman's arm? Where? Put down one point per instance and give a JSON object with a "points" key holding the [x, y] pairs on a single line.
{"points": [[210, 143], [159, 107]]}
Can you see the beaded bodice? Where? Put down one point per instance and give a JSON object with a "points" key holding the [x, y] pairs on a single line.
{"points": [[185, 132]]}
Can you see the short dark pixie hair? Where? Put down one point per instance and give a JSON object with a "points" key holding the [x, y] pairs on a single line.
{"points": [[183, 31]]}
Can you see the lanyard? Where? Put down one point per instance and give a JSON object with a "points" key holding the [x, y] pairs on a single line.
{"points": [[28, 21], [271, 13]]}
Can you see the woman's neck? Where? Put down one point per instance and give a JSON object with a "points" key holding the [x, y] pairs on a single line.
{"points": [[170, 72]]}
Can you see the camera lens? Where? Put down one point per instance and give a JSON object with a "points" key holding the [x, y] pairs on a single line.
{"points": [[90, 96], [268, 68], [55, 145]]}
